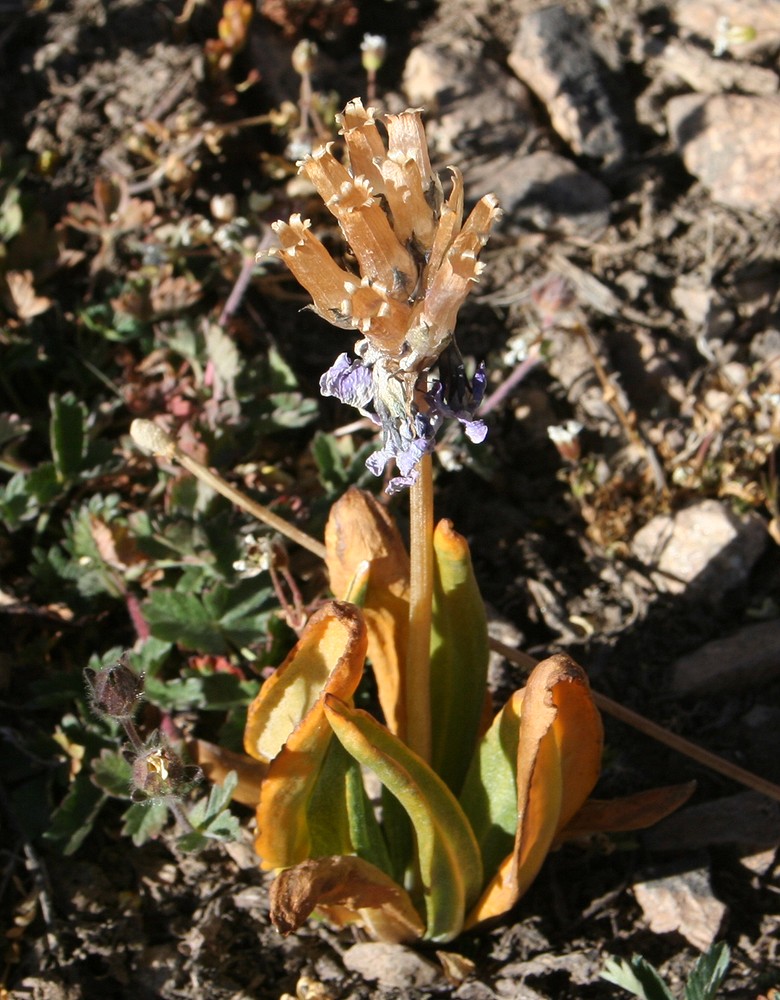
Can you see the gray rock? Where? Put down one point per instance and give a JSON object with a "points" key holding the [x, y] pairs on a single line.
{"points": [[545, 191], [486, 110], [704, 548], [731, 143], [553, 55], [746, 659], [708, 75]]}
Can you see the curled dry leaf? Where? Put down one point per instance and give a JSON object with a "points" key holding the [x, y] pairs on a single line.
{"points": [[559, 749], [25, 301], [346, 888], [632, 812]]}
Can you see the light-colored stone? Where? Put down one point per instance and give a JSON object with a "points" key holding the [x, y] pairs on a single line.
{"points": [[708, 75], [731, 143], [745, 659], [705, 547], [436, 74], [684, 903], [472, 104], [706, 19], [391, 965]]}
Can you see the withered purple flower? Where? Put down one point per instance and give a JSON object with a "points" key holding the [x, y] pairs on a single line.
{"points": [[160, 773], [417, 261]]}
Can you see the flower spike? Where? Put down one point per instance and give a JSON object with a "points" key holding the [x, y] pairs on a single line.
{"points": [[417, 262]]}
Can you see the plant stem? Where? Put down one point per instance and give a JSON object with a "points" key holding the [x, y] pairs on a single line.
{"points": [[153, 438], [417, 679]]}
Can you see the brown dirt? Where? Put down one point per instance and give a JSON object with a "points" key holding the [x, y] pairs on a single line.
{"points": [[80, 78]]}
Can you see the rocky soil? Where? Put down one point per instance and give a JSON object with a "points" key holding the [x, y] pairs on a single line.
{"points": [[633, 288]]}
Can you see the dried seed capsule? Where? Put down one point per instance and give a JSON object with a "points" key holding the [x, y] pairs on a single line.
{"points": [[115, 691]]}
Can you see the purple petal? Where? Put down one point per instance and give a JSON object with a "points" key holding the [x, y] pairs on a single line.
{"points": [[349, 381]]}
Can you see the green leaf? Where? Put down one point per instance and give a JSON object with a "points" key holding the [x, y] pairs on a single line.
{"points": [[177, 695], [219, 797], [368, 841], [182, 618], [223, 354], [11, 214], [327, 818], [26, 493], [450, 866], [217, 621], [290, 410], [113, 774], [489, 796], [145, 821], [281, 374], [708, 973], [73, 820], [326, 454], [459, 657], [67, 433], [638, 977], [211, 817]]}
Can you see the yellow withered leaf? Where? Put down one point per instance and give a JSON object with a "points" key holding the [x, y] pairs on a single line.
{"points": [[286, 727], [359, 531], [216, 763], [558, 761]]}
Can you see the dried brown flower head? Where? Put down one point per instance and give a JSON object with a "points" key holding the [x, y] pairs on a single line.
{"points": [[417, 261]]}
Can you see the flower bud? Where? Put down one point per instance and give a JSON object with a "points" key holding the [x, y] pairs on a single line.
{"points": [[116, 690], [304, 57], [374, 50]]}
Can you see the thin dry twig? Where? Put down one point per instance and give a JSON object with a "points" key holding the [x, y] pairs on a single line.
{"points": [[658, 732]]}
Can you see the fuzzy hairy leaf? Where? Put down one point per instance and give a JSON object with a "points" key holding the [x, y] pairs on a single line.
{"points": [[144, 821], [72, 821], [112, 773]]}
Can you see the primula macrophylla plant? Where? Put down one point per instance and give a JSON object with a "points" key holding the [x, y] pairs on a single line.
{"points": [[470, 802]]}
